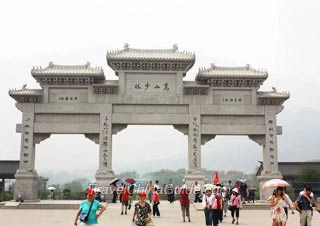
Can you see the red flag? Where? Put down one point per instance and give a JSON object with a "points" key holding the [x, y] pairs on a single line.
{"points": [[216, 179]]}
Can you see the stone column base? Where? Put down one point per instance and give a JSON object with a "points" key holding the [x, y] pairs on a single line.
{"points": [[266, 192], [103, 179], [190, 178], [26, 185]]}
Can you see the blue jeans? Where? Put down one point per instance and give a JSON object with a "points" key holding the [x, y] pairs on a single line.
{"points": [[211, 217]]}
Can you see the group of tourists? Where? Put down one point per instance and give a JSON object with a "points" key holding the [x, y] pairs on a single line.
{"points": [[216, 201], [280, 204]]}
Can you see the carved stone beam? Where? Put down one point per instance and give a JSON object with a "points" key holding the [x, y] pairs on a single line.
{"points": [[116, 128], [206, 138], [259, 139], [93, 137], [39, 137], [182, 128]]}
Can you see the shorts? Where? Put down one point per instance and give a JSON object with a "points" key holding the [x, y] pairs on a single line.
{"points": [[126, 203]]}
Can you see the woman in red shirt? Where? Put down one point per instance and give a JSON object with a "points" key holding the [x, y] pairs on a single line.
{"points": [[185, 202], [125, 199]]}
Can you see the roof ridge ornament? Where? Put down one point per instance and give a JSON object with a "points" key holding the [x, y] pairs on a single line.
{"points": [[212, 66], [175, 46], [126, 46]]}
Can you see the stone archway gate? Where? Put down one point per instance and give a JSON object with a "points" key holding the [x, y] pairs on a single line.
{"points": [[77, 99]]}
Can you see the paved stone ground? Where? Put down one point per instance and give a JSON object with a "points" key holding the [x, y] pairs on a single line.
{"points": [[170, 216]]}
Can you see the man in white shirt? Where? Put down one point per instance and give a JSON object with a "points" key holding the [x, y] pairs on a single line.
{"points": [[287, 205], [197, 191]]}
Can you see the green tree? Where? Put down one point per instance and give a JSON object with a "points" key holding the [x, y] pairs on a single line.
{"points": [[164, 175], [309, 174], [126, 174], [77, 185], [66, 194]]}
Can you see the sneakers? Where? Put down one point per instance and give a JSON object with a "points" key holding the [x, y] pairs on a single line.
{"points": [[122, 213], [237, 223], [233, 221]]}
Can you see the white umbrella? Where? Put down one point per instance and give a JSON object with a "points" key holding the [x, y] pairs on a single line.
{"points": [[51, 188], [274, 183], [97, 190], [209, 185]]}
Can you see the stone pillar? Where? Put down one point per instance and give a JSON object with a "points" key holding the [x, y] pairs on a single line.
{"points": [[105, 173], [270, 152], [194, 147], [26, 176]]}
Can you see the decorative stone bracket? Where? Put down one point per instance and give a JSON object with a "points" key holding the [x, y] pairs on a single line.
{"points": [[182, 128], [206, 138], [39, 137], [116, 128], [93, 137], [259, 139]]}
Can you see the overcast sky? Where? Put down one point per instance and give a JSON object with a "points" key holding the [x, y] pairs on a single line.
{"points": [[280, 36]]}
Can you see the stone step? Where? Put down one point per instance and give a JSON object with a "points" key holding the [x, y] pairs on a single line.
{"points": [[11, 205]]}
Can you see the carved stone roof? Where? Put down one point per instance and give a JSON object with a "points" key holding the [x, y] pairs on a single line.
{"points": [[272, 98], [26, 95], [68, 74], [25, 92], [230, 73], [194, 84], [67, 70], [108, 83], [262, 94], [150, 59]]}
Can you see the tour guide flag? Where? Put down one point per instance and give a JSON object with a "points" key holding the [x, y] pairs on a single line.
{"points": [[216, 179]]}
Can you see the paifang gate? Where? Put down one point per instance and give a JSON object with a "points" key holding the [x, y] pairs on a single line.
{"points": [[77, 99]]}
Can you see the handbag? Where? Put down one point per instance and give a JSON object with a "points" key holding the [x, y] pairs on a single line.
{"points": [[85, 216], [230, 208]]}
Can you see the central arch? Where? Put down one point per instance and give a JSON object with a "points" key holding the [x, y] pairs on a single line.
{"points": [[162, 143]]}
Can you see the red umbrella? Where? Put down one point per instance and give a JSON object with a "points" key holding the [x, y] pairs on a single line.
{"points": [[216, 179], [130, 180]]}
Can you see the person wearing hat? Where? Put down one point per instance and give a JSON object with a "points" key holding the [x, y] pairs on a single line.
{"points": [[142, 211], [236, 204], [89, 208], [207, 204], [224, 194]]}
